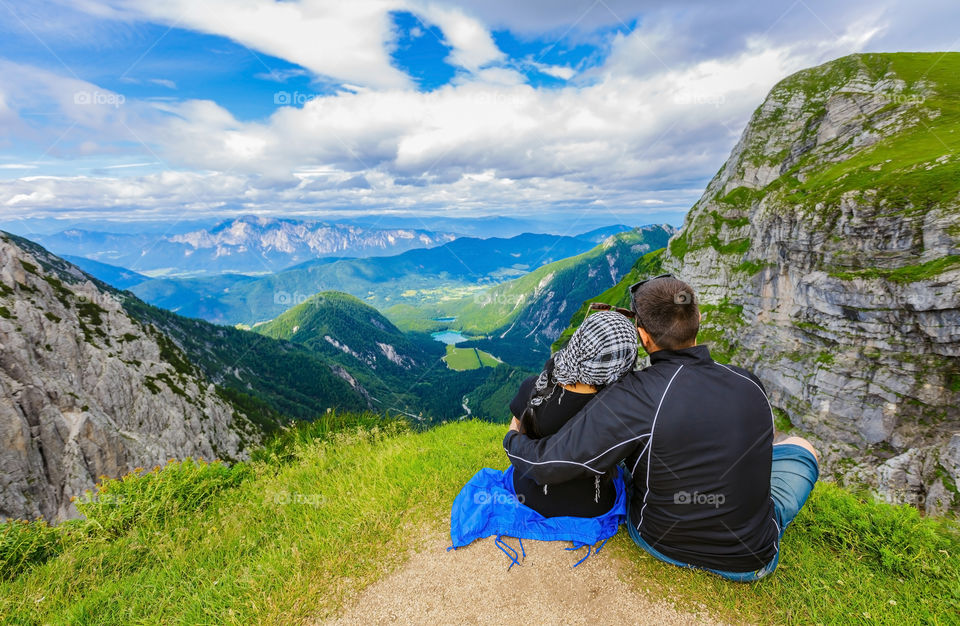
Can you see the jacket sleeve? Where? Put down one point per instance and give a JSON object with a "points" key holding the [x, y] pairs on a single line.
{"points": [[603, 433]]}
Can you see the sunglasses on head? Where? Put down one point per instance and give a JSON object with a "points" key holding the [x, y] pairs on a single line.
{"points": [[633, 291], [600, 306], [638, 285]]}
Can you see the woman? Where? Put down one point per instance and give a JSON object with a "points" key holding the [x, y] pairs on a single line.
{"points": [[600, 352]]}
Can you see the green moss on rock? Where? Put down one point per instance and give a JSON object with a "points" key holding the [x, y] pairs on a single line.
{"points": [[904, 274]]}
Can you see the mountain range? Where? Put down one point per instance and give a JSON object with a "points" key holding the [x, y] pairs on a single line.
{"points": [[415, 277], [247, 244]]}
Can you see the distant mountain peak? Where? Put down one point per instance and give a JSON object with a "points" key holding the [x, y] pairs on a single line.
{"points": [[244, 244]]}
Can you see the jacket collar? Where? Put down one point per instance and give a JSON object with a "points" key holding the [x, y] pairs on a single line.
{"points": [[696, 354]]}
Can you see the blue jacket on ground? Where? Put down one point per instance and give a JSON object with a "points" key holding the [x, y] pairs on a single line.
{"points": [[487, 506]]}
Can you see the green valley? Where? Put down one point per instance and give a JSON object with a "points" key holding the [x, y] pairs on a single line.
{"points": [[519, 320]]}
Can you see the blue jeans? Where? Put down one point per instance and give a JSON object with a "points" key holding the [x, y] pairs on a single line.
{"points": [[792, 476]]}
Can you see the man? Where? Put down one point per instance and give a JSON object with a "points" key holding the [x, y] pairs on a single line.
{"points": [[710, 488]]}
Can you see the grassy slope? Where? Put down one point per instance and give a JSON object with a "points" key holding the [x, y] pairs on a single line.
{"points": [[647, 266], [294, 539], [910, 172], [910, 179], [316, 520], [498, 307]]}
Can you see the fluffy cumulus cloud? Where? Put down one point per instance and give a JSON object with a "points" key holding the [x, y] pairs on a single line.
{"points": [[637, 133], [342, 40]]}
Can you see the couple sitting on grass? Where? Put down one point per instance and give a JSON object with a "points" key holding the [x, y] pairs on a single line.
{"points": [[682, 451]]}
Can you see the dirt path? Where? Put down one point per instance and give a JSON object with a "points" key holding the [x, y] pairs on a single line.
{"points": [[472, 586]]}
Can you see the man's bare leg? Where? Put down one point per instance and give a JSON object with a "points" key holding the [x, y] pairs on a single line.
{"points": [[797, 441]]}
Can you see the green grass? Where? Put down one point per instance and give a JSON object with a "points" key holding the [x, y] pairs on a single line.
{"points": [[782, 421], [845, 559], [679, 245], [487, 359], [328, 508], [718, 328], [907, 273], [461, 359], [752, 267], [308, 526], [904, 181]]}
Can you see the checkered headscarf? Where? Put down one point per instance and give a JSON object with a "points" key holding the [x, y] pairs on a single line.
{"points": [[600, 352]]}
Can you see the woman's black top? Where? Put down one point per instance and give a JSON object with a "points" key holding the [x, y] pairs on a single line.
{"points": [[582, 497]]}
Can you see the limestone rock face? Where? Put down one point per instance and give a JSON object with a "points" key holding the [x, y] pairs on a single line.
{"points": [[87, 391], [826, 254]]}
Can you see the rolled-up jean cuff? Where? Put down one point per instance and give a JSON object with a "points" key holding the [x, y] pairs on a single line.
{"points": [[793, 474]]}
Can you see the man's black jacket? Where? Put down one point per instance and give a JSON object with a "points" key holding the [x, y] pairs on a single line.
{"points": [[697, 437]]}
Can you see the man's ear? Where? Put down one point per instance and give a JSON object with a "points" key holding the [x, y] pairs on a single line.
{"points": [[644, 336]]}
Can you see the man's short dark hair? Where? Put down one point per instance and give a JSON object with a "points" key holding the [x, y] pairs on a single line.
{"points": [[667, 309]]}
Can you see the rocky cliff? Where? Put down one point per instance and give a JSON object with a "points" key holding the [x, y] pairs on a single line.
{"points": [[89, 391], [826, 252]]}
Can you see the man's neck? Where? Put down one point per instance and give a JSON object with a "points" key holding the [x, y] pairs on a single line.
{"points": [[655, 348]]}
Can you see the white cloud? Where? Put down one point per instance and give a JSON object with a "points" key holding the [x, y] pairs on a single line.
{"points": [[334, 194], [163, 82], [283, 75], [630, 124], [557, 71], [640, 132], [473, 47], [122, 166], [79, 116], [479, 144], [492, 76], [347, 41]]}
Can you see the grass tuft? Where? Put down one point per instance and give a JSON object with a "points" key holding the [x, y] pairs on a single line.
{"points": [[846, 558]]}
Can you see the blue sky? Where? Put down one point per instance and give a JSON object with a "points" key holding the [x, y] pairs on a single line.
{"points": [[130, 109]]}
